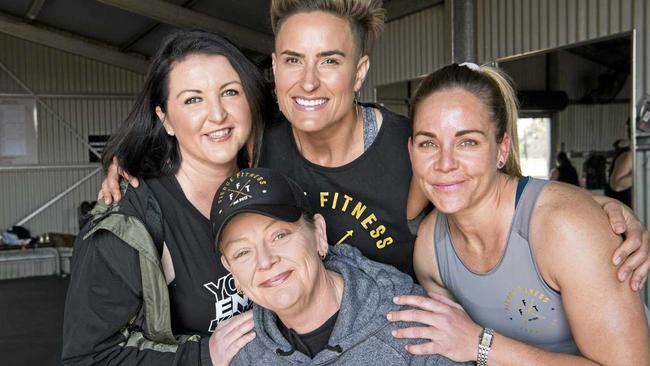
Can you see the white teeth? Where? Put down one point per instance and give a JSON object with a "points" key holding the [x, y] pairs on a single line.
{"points": [[310, 103], [219, 133]]}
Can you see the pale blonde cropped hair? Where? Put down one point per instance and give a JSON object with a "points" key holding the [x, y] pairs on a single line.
{"points": [[366, 17]]}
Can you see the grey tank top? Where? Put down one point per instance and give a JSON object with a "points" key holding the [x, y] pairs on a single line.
{"points": [[512, 298]]}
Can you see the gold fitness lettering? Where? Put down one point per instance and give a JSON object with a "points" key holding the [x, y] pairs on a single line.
{"points": [[357, 209]]}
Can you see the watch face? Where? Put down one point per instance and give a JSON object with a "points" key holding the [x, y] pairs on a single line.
{"points": [[486, 339]]}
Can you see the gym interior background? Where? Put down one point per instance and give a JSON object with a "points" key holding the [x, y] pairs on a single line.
{"points": [[70, 70]]}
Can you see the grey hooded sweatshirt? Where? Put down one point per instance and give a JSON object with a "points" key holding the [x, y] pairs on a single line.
{"points": [[361, 335]]}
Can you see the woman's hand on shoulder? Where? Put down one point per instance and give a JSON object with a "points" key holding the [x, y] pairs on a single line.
{"points": [[633, 255], [231, 336], [110, 190], [446, 327]]}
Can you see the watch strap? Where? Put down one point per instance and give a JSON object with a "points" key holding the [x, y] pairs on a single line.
{"points": [[484, 346]]}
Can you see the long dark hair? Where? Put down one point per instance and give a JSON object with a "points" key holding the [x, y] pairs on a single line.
{"points": [[141, 145], [489, 85]]}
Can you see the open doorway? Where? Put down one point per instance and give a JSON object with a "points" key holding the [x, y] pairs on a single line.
{"points": [[585, 93]]}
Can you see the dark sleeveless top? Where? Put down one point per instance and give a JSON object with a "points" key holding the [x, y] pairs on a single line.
{"points": [[625, 195], [364, 201], [568, 174], [512, 298]]}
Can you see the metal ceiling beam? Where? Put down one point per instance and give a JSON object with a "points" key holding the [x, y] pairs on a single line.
{"points": [[396, 9], [180, 17], [125, 46], [34, 9], [72, 43]]}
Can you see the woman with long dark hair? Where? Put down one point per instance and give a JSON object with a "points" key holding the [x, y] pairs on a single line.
{"points": [[147, 286]]}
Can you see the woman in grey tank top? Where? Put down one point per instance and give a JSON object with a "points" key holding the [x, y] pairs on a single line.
{"points": [[528, 261]]}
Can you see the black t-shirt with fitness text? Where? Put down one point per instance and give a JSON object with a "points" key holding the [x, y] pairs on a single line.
{"points": [[364, 201], [203, 292]]}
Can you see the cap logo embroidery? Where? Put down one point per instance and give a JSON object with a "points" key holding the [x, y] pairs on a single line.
{"points": [[235, 191]]}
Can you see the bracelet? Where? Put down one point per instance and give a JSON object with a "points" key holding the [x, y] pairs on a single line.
{"points": [[484, 346]]}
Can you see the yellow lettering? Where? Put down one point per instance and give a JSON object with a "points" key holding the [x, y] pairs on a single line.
{"points": [[323, 198], [378, 231], [358, 209], [336, 198], [347, 200], [383, 243], [368, 220]]}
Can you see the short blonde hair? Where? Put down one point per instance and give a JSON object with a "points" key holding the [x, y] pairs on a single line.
{"points": [[366, 17]]}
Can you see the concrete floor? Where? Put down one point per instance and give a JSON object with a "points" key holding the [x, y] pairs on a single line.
{"points": [[31, 319]]}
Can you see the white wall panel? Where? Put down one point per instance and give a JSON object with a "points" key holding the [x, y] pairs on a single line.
{"points": [[92, 97], [410, 47]]}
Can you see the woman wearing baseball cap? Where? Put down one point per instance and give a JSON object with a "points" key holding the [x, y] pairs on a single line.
{"points": [[314, 303]]}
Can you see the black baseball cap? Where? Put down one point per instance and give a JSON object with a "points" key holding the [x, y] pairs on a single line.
{"points": [[259, 190]]}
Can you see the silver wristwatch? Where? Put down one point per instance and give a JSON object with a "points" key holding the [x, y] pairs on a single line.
{"points": [[484, 346]]}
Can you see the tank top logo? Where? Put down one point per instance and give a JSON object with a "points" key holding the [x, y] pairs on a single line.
{"points": [[228, 302], [346, 204], [532, 309]]}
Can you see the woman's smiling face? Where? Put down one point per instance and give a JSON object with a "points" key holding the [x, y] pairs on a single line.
{"points": [[207, 110], [317, 69], [276, 263], [454, 150]]}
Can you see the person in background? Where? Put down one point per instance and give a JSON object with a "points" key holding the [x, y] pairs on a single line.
{"points": [[315, 304], [621, 177], [564, 171], [147, 287], [517, 268]]}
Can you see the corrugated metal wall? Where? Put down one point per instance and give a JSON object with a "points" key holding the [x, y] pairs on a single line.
{"points": [[591, 127], [47, 70], [410, 47], [90, 96], [588, 128], [511, 27]]}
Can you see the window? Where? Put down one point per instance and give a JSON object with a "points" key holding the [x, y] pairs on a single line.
{"points": [[535, 146]]}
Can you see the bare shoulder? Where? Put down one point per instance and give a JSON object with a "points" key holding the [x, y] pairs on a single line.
{"points": [[572, 243], [565, 207], [568, 228]]}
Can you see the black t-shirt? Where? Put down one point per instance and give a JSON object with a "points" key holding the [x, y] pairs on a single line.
{"points": [[203, 292], [364, 201], [309, 343]]}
